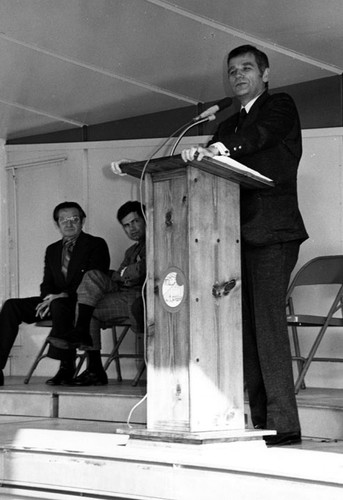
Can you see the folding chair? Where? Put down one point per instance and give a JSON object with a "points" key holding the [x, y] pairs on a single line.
{"points": [[116, 355], [325, 276], [43, 352]]}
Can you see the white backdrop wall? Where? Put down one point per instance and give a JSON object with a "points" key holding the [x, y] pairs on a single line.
{"points": [[38, 178], [41, 176], [321, 199]]}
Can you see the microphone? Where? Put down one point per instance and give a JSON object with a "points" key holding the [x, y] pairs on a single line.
{"points": [[189, 126], [222, 104]]}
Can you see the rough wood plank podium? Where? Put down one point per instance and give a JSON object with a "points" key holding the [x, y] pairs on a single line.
{"points": [[194, 338]]}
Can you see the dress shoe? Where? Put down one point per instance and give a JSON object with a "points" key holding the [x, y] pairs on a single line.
{"points": [[91, 378], [64, 376], [1, 377], [283, 438]]}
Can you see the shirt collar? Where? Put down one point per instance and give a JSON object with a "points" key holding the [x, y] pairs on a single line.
{"points": [[248, 106]]}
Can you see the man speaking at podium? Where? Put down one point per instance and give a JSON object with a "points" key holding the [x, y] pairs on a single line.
{"points": [[266, 137]]}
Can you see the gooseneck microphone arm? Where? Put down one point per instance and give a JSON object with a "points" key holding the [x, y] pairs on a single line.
{"points": [[198, 122], [206, 116]]}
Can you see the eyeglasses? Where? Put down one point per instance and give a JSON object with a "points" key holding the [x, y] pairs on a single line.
{"points": [[75, 219]]}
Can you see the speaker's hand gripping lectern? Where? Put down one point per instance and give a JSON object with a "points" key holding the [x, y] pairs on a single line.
{"points": [[194, 339]]}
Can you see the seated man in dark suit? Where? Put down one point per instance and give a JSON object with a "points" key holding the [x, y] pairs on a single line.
{"points": [[103, 297], [66, 261]]}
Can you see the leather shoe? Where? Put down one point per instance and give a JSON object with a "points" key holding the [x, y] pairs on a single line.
{"points": [[283, 438], [1, 377], [91, 378], [64, 376]]}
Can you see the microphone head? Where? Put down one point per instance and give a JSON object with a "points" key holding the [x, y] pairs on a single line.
{"points": [[224, 103], [218, 106]]}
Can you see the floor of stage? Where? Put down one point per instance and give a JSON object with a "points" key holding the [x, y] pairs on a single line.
{"points": [[330, 400], [10, 425], [85, 434]]}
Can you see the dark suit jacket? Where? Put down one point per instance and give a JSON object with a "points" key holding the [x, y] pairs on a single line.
{"points": [[270, 143], [90, 252]]}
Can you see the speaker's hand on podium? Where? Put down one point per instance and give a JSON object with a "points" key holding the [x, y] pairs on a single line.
{"points": [[197, 153], [115, 166]]}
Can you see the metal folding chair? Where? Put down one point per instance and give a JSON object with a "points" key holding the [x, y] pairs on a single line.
{"points": [[42, 353], [322, 276], [116, 355]]}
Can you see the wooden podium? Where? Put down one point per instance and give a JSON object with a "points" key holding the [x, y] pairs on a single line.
{"points": [[194, 338]]}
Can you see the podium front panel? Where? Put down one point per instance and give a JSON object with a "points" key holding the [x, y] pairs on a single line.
{"points": [[195, 376]]}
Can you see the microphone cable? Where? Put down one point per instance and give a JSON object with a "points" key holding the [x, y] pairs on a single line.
{"points": [[181, 130]]}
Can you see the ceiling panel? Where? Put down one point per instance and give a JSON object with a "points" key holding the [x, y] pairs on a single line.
{"points": [[67, 63], [73, 93], [312, 28]]}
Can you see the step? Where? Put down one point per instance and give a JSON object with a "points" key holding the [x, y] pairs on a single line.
{"points": [[62, 461], [72, 445], [113, 402], [320, 410]]}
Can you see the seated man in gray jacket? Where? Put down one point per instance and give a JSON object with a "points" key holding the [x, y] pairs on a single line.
{"points": [[103, 298]]}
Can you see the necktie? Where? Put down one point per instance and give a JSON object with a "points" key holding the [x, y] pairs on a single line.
{"points": [[66, 255], [242, 115]]}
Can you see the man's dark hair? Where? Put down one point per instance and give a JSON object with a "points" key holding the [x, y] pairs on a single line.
{"points": [[68, 204], [128, 207], [261, 57]]}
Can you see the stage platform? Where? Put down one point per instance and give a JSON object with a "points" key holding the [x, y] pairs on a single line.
{"points": [[321, 410], [64, 442]]}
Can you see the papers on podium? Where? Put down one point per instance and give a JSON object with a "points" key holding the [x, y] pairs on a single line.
{"points": [[239, 167], [225, 166]]}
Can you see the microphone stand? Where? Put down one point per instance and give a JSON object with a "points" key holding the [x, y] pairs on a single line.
{"points": [[198, 122]]}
